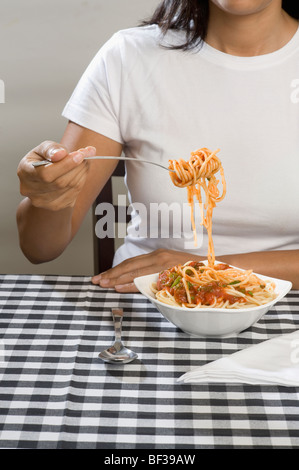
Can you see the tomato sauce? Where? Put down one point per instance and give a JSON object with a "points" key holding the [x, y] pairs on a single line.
{"points": [[204, 295], [164, 279]]}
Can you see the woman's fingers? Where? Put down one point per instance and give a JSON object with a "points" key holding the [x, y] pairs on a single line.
{"points": [[122, 276], [126, 277], [130, 265], [57, 185], [51, 151], [123, 288], [127, 270], [63, 165]]}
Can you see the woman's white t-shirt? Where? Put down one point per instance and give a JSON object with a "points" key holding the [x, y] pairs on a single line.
{"points": [[162, 104]]}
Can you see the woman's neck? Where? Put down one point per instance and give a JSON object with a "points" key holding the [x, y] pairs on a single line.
{"points": [[252, 34]]}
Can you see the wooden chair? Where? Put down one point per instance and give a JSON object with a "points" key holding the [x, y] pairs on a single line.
{"points": [[104, 248]]}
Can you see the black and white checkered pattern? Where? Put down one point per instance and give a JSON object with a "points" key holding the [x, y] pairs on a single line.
{"points": [[56, 393]]}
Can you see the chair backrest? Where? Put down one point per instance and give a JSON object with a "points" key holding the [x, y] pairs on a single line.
{"points": [[104, 248]]}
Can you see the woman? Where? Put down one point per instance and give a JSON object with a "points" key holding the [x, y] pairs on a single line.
{"points": [[217, 73]]}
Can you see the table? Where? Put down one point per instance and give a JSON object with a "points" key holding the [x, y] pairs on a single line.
{"points": [[56, 393]]}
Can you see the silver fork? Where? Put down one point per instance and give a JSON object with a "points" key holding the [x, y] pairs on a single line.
{"points": [[117, 352], [100, 157]]}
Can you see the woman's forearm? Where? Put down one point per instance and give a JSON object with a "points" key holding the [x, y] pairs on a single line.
{"points": [[280, 264], [43, 234]]}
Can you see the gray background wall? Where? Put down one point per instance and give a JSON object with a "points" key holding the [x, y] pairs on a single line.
{"points": [[44, 48]]}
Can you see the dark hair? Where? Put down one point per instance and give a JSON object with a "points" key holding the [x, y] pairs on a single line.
{"points": [[192, 16]]}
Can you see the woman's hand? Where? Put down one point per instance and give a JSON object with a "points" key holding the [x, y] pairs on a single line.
{"points": [[56, 186], [121, 277]]}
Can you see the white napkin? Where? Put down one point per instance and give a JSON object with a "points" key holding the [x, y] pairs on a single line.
{"points": [[272, 362]]}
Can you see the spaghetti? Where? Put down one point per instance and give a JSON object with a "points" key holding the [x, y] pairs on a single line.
{"points": [[197, 284], [196, 174]]}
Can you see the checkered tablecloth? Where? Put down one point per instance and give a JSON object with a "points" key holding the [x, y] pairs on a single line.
{"points": [[56, 393]]}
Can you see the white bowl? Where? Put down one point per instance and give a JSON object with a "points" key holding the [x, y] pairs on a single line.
{"points": [[220, 322]]}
